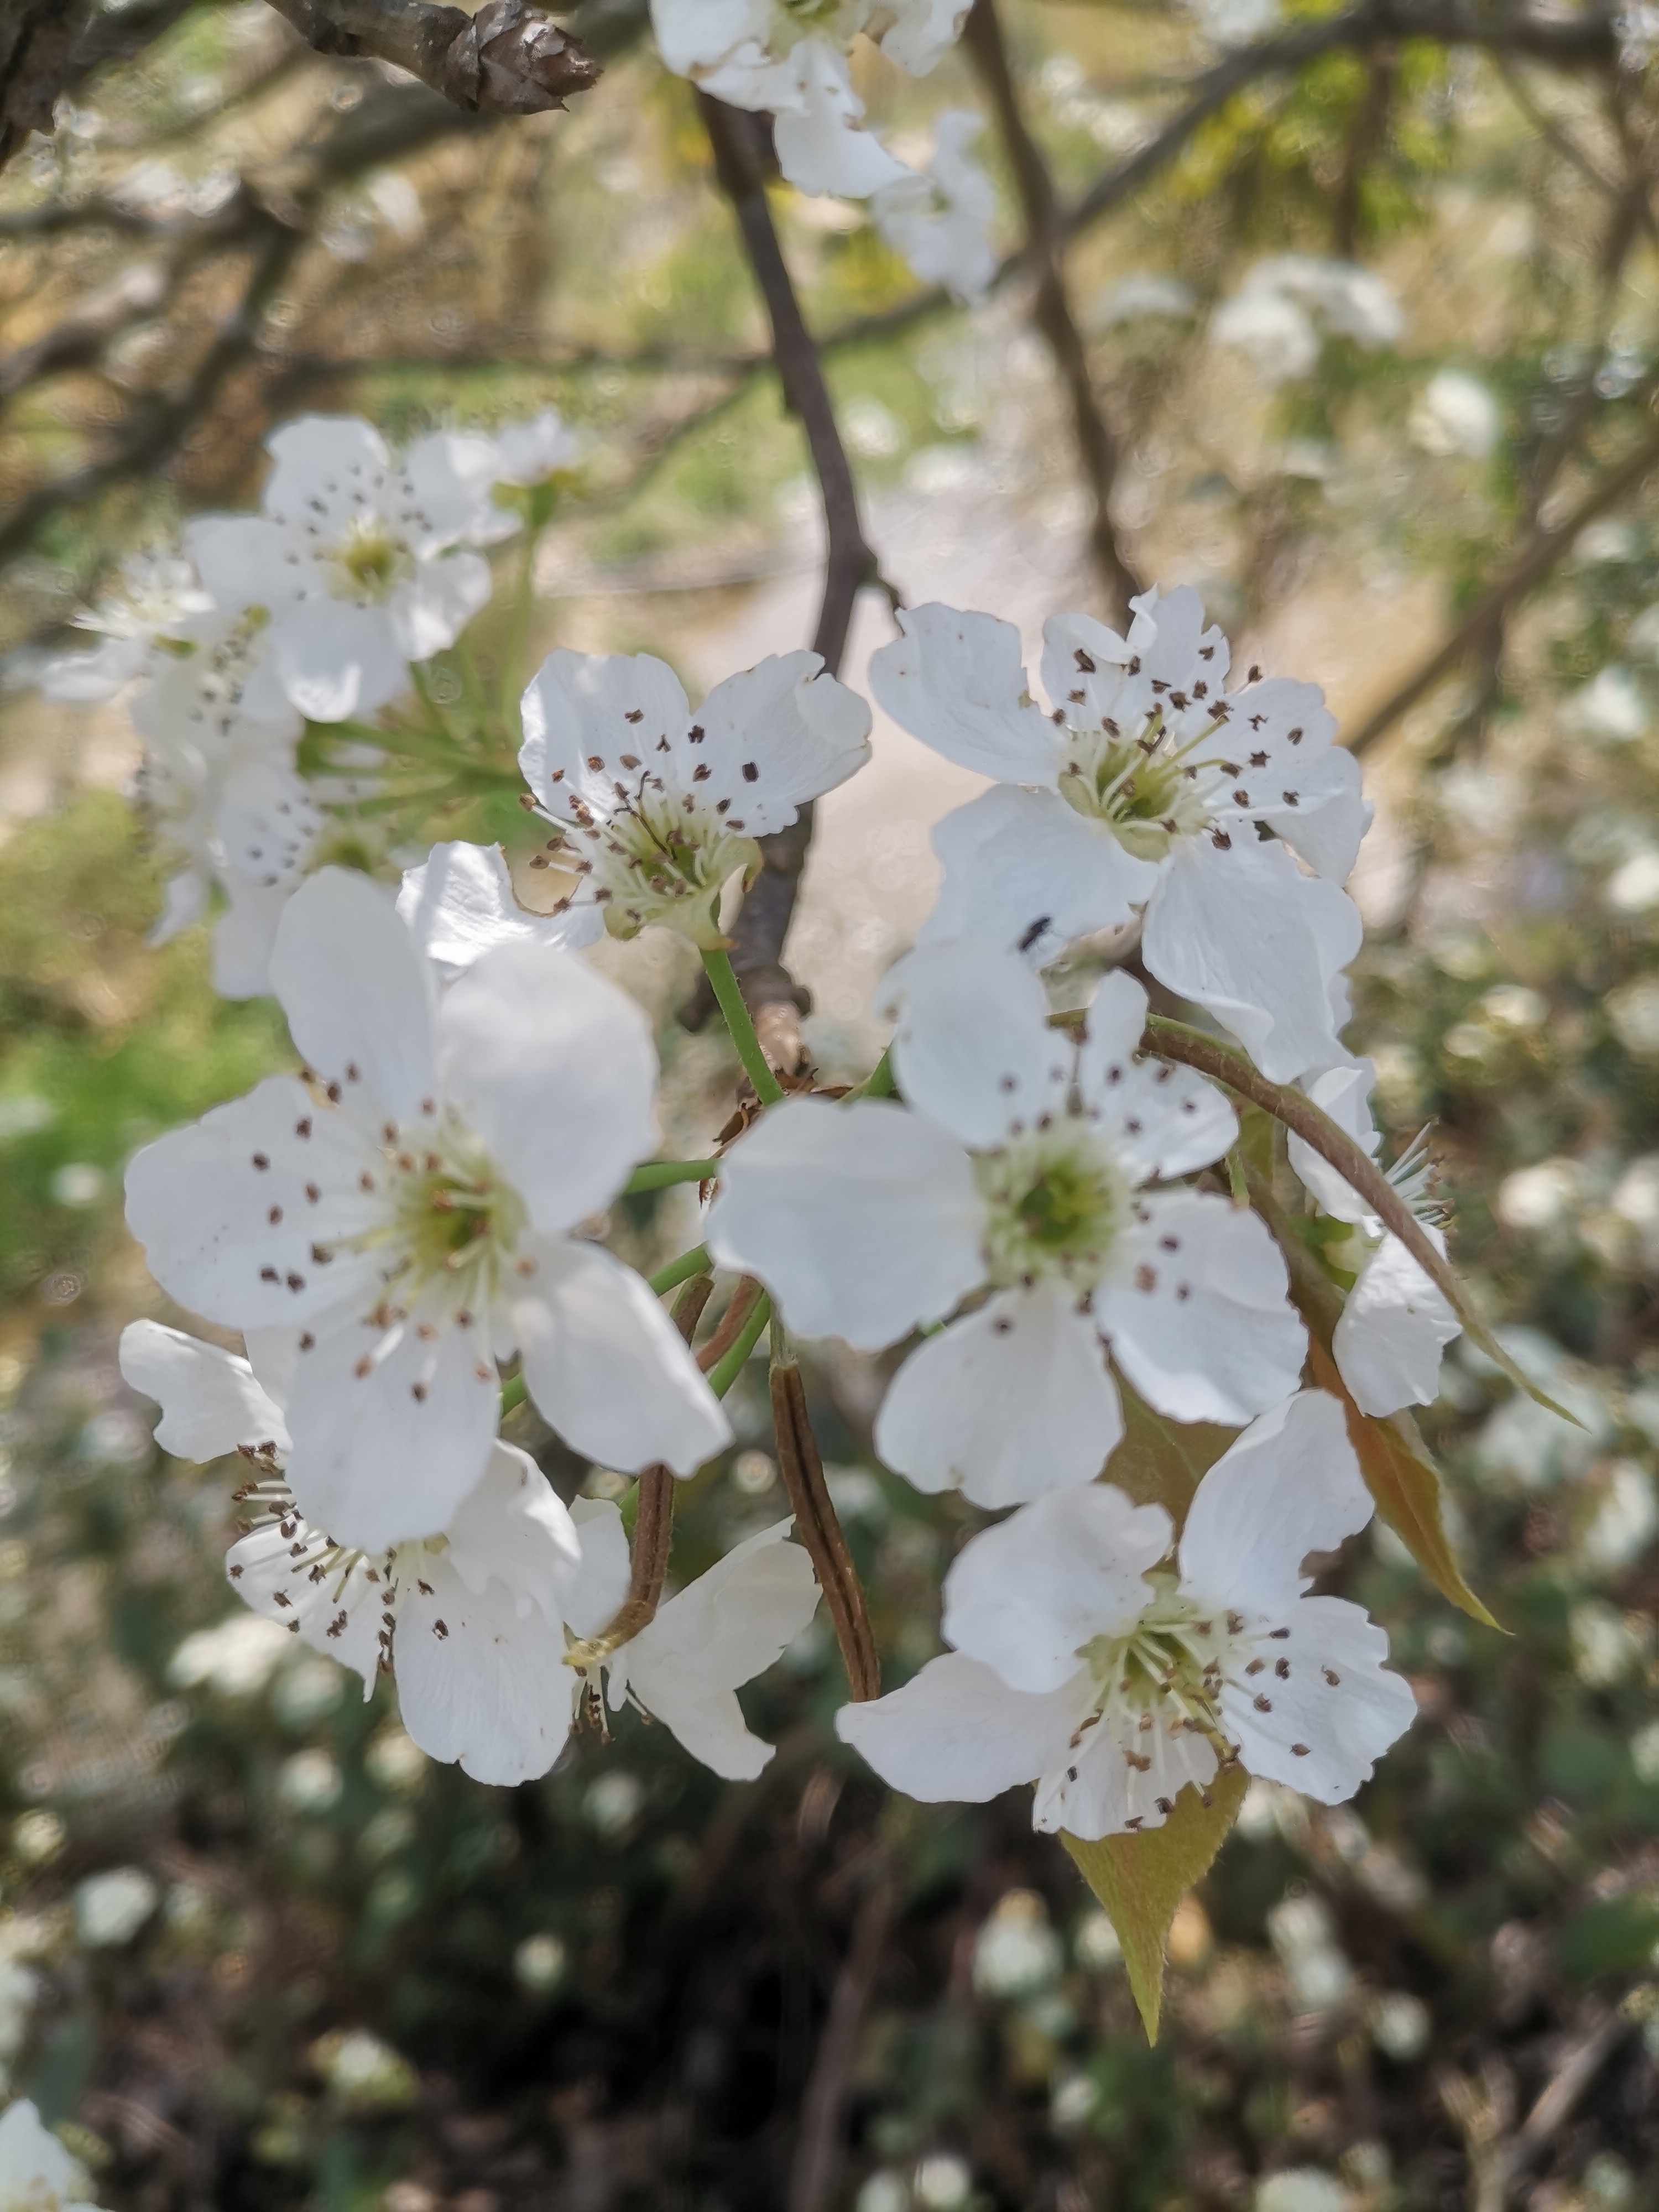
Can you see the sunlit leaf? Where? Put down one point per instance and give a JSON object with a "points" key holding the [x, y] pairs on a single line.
{"points": [[1141, 1879]]}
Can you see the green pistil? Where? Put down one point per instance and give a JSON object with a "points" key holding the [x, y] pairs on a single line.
{"points": [[1142, 793], [450, 1222], [1055, 1204]]}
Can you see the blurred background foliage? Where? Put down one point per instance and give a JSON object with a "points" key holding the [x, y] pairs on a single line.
{"points": [[255, 1951]]}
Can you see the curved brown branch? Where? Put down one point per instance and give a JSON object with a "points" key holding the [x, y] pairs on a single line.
{"points": [[1051, 308], [1543, 552], [510, 57], [775, 1000], [802, 1469]]}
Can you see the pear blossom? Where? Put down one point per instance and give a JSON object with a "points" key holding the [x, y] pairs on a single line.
{"points": [[360, 560], [655, 813], [158, 600], [777, 55], [940, 220], [529, 454], [1143, 786], [407, 1210], [685, 1667], [469, 1620], [36, 2174], [1082, 1664], [460, 901], [1290, 302], [1019, 1176], [1397, 1321]]}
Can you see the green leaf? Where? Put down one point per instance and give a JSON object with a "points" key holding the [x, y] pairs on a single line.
{"points": [[1162, 1463], [1141, 1879], [1406, 1485]]}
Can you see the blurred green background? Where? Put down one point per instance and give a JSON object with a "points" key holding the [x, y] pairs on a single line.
{"points": [[255, 1951]]}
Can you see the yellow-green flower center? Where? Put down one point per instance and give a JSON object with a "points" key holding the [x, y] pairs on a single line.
{"points": [[1142, 789], [1055, 1200]]}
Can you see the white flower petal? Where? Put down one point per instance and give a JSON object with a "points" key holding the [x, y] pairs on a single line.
{"points": [[1335, 1712], [1096, 1790], [957, 1732], [244, 937], [691, 34], [1025, 871], [778, 735], [956, 681], [232, 1239], [820, 145], [513, 1529], [1007, 1403], [603, 1576], [391, 1427], [429, 611], [1168, 633], [920, 32], [184, 903], [459, 903], [322, 461], [1289, 1485], [1246, 935], [583, 711], [452, 474], [478, 1681], [211, 1400], [1343, 1093], [721, 1631], [1392, 1330], [973, 1050], [341, 1612], [1197, 1316], [1083, 667], [243, 561], [1311, 793], [863, 1221], [336, 661], [1027, 1596], [555, 1067], [605, 1365], [357, 995], [1160, 1119]]}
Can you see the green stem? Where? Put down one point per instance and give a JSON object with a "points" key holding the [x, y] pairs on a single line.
{"points": [[681, 1270], [657, 1175], [473, 688], [436, 718], [518, 638], [878, 1084], [729, 997], [722, 1377], [515, 1391]]}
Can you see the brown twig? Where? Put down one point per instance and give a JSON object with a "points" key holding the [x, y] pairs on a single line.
{"points": [[1538, 557], [510, 57], [1051, 306], [1365, 140], [821, 1531], [762, 923], [732, 1324], [815, 2170]]}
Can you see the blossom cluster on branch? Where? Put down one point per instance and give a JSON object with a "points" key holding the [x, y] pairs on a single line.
{"points": [[1071, 1220]]}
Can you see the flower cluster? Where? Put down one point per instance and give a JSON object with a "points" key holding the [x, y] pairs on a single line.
{"points": [[357, 569], [1043, 1209]]}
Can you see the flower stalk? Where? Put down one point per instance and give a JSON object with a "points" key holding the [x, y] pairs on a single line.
{"points": [[802, 1468], [728, 996]]}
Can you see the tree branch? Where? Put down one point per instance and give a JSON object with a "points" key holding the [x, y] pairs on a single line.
{"points": [[1045, 232], [1543, 551], [511, 56], [775, 1001]]}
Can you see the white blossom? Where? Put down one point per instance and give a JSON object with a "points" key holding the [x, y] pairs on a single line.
{"points": [[1397, 1321], [685, 1667], [1021, 1167], [1288, 304], [37, 2174], [359, 561], [406, 1212], [1456, 414], [1143, 786], [460, 901], [158, 601], [530, 452], [469, 1620], [941, 219], [778, 55], [656, 812], [1077, 1664]]}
